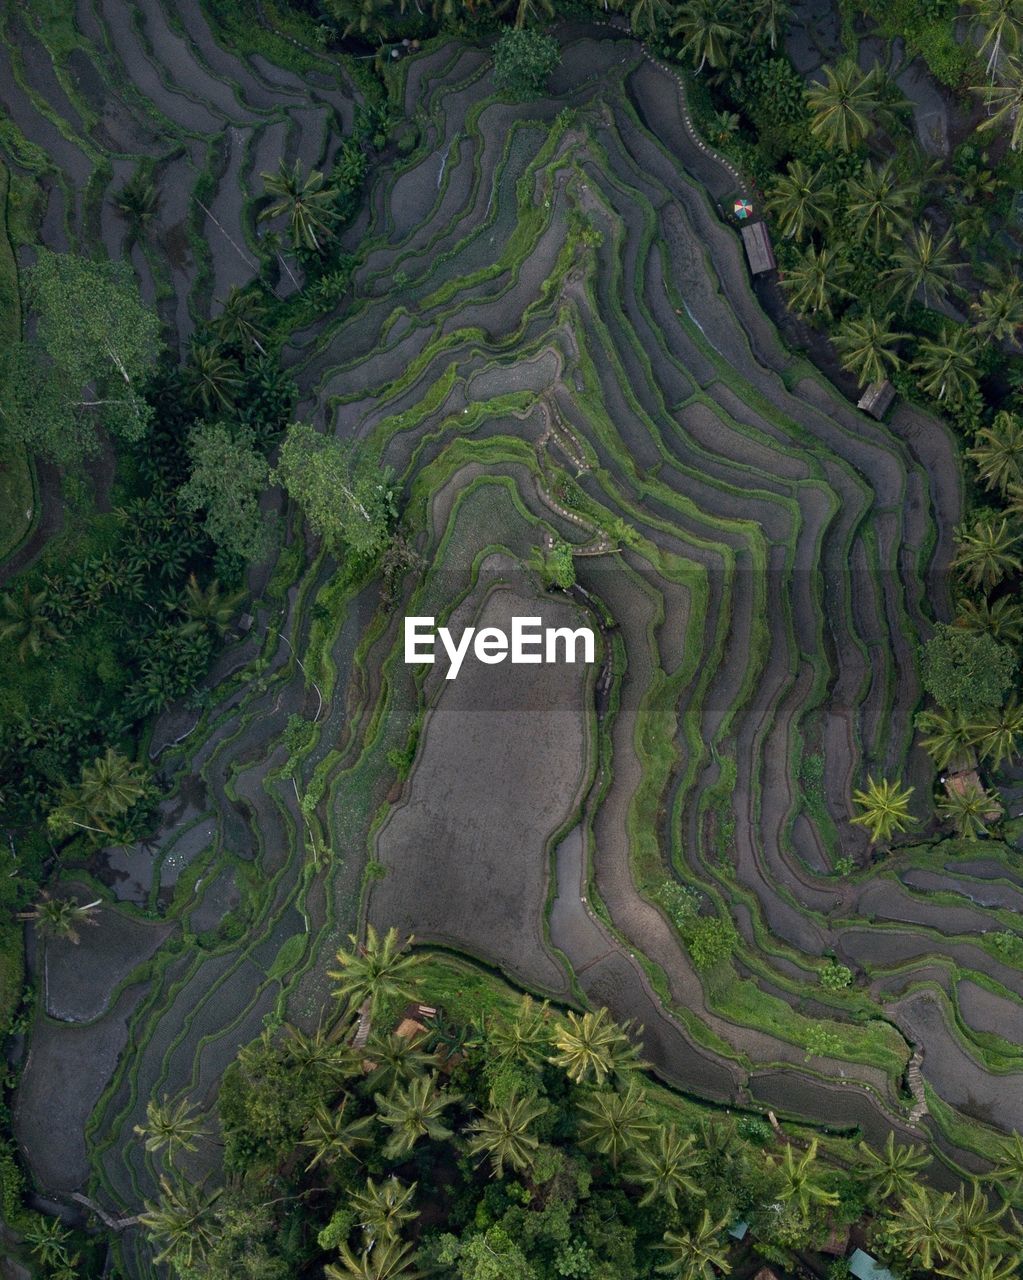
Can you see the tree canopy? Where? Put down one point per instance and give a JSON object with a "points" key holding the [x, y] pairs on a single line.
{"points": [[966, 671]]}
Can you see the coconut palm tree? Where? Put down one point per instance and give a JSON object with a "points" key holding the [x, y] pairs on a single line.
{"points": [[698, 1254], [923, 265], [331, 1136], [921, 1228], [414, 1112], [998, 312], [1004, 102], [770, 18], [306, 202], [396, 1059], [504, 1132], [986, 551], [801, 200], [970, 809], [389, 1259], [866, 346], [947, 736], [379, 970], [1000, 26], [61, 917], [879, 203], [997, 732], [527, 12], [615, 1124], [648, 17], [207, 609], [592, 1045], [884, 809], [1007, 1171], [47, 1239], [27, 622], [174, 1126], [946, 366], [213, 379], [976, 1225], [1002, 619], [989, 1262], [320, 1056], [524, 1039], [842, 108], [667, 1167], [799, 1185], [240, 323], [137, 201], [383, 1209], [998, 452], [814, 280], [180, 1222], [892, 1172], [708, 32]]}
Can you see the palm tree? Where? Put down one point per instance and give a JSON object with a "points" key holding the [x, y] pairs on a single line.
{"points": [[947, 738], [504, 1132], [240, 323], [524, 1039], [998, 312], [213, 379], [975, 1224], [1000, 24], [986, 1263], [666, 1167], [530, 11], [997, 732], [1002, 619], [813, 281], [321, 1056], [986, 551], [885, 809], [389, 1259], [970, 809], [801, 200], [414, 1112], [707, 32], [924, 265], [998, 452], [307, 203], [697, 1254], [1005, 102], [396, 1059], [648, 17], [383, 1209], [137, 201], [842, 108], [27, 623], [175, 1126], [894, 1171], [180, 1222], [1007, 1171], [592, 1045], [381, 970], [47, 1238], [947, 365], [798, 1182], [61, 917], [208, 610], [615, 1124], [920, 1230], [866, 346], [770, 19], [879, 204], [331, 1136]]}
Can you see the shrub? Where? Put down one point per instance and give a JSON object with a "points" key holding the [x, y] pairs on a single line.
{"points": [[835, 976], [523, 61]]}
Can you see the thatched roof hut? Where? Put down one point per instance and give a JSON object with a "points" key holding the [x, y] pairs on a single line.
{"points": [[876, 399]]}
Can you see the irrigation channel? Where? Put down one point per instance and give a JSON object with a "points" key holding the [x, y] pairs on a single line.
{"points": [[551, 333]]}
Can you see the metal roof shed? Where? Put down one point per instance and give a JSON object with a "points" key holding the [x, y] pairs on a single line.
{"points": [[757, 243], [876, 399], [864, 1267]]}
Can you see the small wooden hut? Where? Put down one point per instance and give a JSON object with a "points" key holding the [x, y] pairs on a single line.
{"points": [[876, 399], [757, 242]]}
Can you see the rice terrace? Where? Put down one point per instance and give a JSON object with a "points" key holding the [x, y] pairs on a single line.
{"points": [[688, 330]]}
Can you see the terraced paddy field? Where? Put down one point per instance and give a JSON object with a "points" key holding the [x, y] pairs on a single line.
{"points": [[551, 335]]}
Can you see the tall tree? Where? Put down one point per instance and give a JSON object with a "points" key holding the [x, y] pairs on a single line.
{"points": [[504, 1132], [1000, 26], [383, 1209], [879, 203], [108, 787], [842, 109], [894, 1171], [998, 452], [970, 809], [347, 496], [946, 366], [389, 1259], [708, 32], [924, 266], [801, 200], [240, 323], [1004, 102], [884, 809], [814, 280], [332, 1135], [524, 1038], [965, 672], [770, 18], [998, 312], [667, 1167], [799, 1178], [306, 202], [697, 1254], [382, 969], [180, 1221], [867, 346], [921, 1228], [28, 622], [171, 1127], [214, 379], [592, 1045], [947, 737], [986, 551], [61, 917], [997, 732], [228, 476], [413, 1112], [615, 1124], [1001, 619]]}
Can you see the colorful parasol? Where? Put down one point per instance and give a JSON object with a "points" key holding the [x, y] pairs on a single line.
{"points": [[742, 208]]}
